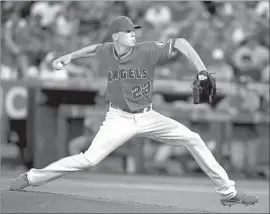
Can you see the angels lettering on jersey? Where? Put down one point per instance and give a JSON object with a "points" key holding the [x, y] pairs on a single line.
{"points": [[130, 73], [130, 77]]}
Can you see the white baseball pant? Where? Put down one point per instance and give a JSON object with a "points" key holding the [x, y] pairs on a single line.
{"points": [[118, 127]]}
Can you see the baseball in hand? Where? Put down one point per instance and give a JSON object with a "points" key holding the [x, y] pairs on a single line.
{"points": [[60, 65]]}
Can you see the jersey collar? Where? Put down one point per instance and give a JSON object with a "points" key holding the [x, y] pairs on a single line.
{"points": [[124, 56]]}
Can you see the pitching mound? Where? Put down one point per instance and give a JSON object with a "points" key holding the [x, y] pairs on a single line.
{"points": [[42, 202]]}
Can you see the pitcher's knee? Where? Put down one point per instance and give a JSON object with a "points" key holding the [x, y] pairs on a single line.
{"points": [[195, 139], [93, 159]]}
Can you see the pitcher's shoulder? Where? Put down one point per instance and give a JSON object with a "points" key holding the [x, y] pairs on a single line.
{"points": [[145, 46], [106, 45]]}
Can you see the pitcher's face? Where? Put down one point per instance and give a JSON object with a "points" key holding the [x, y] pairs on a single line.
{"points": [[126, 38]]}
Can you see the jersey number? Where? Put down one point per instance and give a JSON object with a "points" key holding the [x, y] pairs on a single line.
{"points": [[140, 91]]}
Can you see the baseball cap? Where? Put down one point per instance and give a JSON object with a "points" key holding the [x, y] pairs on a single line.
{"points": [[122, 23]]}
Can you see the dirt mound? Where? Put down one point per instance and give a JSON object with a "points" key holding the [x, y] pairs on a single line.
{"points": [[43, 202]]}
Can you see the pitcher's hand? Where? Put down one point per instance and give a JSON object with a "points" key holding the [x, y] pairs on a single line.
{"points": [[61, 62], [202, 75]]}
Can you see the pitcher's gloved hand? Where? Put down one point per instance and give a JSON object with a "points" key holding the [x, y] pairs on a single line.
{"points": [[204, 88]]}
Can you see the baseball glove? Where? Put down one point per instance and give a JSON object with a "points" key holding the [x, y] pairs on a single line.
{"points": [[204, 91]]}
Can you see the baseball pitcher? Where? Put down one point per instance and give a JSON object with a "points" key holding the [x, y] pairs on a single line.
{"points": [[130, 67]]}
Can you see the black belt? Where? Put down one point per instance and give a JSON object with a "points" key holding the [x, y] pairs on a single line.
{"points": [[146, 109]]}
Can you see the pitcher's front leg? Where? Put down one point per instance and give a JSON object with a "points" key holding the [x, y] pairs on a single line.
{"points": [[169, 131], [207, 162]]}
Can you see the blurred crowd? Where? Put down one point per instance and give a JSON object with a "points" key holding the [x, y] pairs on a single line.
{"points": [[232, 38]]}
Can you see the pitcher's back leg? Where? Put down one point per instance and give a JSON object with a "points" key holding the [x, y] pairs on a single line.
{"points": [[115, 131]]}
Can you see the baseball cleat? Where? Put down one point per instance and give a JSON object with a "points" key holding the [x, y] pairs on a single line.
{"points": [[240, 198], [19, 183]]}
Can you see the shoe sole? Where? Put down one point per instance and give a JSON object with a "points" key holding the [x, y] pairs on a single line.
{"points": [[19, 187], [15, 190], [229, 204]]}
